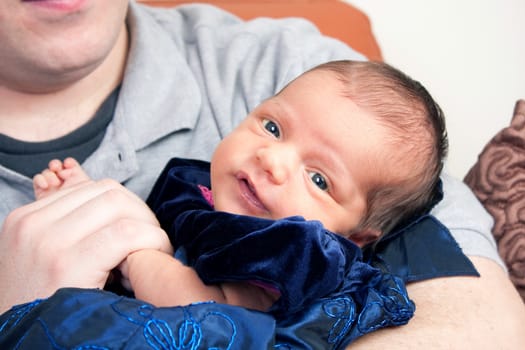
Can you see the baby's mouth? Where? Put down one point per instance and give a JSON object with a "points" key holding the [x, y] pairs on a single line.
{"points": [[249, 193]]}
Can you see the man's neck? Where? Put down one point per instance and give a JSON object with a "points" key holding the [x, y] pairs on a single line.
{"points": [[42, 117]]}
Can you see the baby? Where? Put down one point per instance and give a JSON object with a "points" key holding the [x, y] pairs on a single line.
{"points": [[355, 146]]}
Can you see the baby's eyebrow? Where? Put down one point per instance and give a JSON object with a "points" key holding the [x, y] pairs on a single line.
{"points": [[282, 114], [330, 159], [340, 177], [277, 106]]}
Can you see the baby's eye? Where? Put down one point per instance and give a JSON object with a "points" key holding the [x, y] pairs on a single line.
{"points": [[318, 180], [271, 127]]}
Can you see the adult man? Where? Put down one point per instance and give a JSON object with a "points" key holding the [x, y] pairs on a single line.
{"points": [[77, 79]]}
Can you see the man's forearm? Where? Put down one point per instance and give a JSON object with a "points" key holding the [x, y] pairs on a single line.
{"points": [[458, 313]]}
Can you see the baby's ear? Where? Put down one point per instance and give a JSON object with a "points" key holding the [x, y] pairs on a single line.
{"points": [[365, 236]]}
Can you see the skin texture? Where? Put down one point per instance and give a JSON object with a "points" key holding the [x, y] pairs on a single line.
{"points": [[452, 313]]}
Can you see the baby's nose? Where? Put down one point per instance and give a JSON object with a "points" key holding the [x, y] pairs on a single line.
{"points": [[276, 162]]}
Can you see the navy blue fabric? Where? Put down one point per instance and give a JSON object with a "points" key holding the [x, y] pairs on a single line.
{"points": [[95, 319], [358, 298], [422, 250], [300, 258]]}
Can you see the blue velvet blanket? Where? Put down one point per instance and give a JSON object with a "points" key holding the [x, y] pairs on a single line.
{"points": [[329, 294]]}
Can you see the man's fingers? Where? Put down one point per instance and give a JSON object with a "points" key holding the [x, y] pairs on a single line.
{"points": [[111, 207], [81, 209], [113, 243], [76, 194]]}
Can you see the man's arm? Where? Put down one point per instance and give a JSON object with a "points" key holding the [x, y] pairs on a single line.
{"points": [[458, 313]]}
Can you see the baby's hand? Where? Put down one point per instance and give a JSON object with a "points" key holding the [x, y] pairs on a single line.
{"points": [[58, 175], [124, 275], [138, 264]]}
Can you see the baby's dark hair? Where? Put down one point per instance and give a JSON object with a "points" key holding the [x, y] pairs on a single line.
{"points": [[418, 131]]}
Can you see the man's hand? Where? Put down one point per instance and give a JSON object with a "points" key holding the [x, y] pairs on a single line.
{"points": [[72, 238]]}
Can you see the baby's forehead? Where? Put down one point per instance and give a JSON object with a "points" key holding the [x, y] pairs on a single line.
{"points": [[317, 77]]}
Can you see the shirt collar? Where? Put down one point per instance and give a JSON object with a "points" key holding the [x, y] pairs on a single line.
{"points": [[159, 94]]}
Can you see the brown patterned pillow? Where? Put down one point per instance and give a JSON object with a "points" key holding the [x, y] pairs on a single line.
{"points": [[498, 180]]}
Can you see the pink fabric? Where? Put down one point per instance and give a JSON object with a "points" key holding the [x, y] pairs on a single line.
{"points": [[206, 193], [266, 286], [498, 180]]}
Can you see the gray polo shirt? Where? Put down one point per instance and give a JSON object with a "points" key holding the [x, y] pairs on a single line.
{"points": [[193, 73]]}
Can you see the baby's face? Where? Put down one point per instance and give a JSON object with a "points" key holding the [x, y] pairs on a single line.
{"points": [[308, 151]]}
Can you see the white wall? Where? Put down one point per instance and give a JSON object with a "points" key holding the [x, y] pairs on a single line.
{"points": [[470, 54]]}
